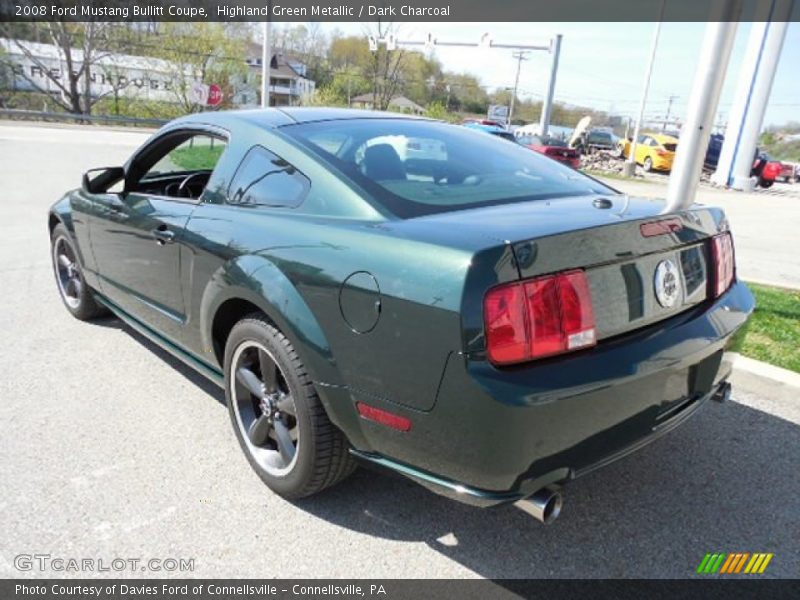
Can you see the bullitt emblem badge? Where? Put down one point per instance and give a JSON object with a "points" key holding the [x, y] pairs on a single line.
{"points": [[667, 283]]}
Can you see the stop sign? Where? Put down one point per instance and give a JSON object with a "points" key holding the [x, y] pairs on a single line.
{"points": [[214, 95]]}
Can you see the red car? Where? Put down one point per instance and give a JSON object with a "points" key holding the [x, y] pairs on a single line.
{"points": [[552, 148], [766, 169]]}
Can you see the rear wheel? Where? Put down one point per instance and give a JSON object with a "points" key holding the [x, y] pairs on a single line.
{"points": [[765, 183], [648, 164], [277, 415], [75, 293]]}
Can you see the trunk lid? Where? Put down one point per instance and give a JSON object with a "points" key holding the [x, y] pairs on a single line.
{"points": [[628, 249]]}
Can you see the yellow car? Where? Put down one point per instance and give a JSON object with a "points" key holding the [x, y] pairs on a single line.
{"points": [[654, 151]]}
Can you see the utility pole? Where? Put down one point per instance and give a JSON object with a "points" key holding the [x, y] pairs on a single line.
{"points": [[672, 98], [430, 83], [629, 168], [487, 43], [520, 55], [266, 64]]}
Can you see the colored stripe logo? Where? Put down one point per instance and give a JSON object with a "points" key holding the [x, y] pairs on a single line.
{"points": [[734, 562]]}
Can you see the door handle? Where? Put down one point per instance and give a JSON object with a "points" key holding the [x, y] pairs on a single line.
{"points": [[163, 235]]}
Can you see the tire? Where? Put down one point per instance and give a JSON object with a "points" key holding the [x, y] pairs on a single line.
{"points": [[765, 183], [75, 293], [647, 165], [620, 151], [284, 404]]}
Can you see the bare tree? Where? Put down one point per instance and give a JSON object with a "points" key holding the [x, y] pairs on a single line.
{"points": [[385, 68], [79, 46]]}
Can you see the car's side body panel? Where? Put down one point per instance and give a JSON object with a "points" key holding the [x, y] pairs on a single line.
{"points": [[137, 272], [306, 270]]}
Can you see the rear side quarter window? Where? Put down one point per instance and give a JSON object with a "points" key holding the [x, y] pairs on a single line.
{"points": [[265, 179]]}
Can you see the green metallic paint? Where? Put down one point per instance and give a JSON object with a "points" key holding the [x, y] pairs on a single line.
{"points": [[497, 433]]}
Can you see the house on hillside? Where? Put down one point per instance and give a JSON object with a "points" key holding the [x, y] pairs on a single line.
{"points": [[289, 81], [398, 103]]}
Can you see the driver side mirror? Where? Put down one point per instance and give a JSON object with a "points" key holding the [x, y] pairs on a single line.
{"points": [[97, 181]]}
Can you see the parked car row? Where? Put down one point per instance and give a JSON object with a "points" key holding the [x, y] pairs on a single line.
{"points": [[550, 146], [654, 151]]}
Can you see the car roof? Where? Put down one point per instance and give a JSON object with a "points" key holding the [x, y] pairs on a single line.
{"points": [[287, 115]]}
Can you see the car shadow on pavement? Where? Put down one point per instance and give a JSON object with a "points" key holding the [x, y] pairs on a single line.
{"points": [[189, 373], [723, 482]]}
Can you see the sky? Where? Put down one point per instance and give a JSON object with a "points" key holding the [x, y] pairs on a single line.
{"points": [[603, 65]]}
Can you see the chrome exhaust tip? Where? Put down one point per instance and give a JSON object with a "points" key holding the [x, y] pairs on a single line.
{"points": [[723, 393], [544, 505]]}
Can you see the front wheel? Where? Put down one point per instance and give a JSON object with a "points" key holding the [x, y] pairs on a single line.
{"points": [[765, 183], [277, 415], [75, 293]]}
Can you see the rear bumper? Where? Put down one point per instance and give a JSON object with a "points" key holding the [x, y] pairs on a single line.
{"points": [[495, 435], [487, 498]]}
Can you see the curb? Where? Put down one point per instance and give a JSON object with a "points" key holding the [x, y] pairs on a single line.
{"points": [[80, 126], [762, 369]]}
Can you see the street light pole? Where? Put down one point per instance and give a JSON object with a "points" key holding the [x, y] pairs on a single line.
{"points": [[629, 168], [547, 106], [266, 64]]}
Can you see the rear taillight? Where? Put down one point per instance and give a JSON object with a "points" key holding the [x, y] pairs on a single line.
{"points": [[724, 265], [538, 317]]}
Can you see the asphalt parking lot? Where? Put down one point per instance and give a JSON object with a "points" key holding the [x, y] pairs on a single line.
{"points": [[110, 448]]}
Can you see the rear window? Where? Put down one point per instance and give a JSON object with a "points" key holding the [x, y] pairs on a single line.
{"points": [[670, 147], [415, 168]]}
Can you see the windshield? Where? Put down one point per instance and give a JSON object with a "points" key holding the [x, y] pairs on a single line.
{"points": [[416, 168]]}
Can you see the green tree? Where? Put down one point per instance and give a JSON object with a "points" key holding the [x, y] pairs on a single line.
{"points": [[202, 52]]}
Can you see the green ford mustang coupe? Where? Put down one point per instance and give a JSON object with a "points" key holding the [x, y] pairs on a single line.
{"points": [[420, 296]]}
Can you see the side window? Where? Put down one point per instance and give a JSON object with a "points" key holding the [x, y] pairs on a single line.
{"points": [[265, 179], [198, 153]]}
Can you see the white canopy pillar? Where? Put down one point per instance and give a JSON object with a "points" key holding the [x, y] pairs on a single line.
{"points": [[708, 79], [752, 94]]}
